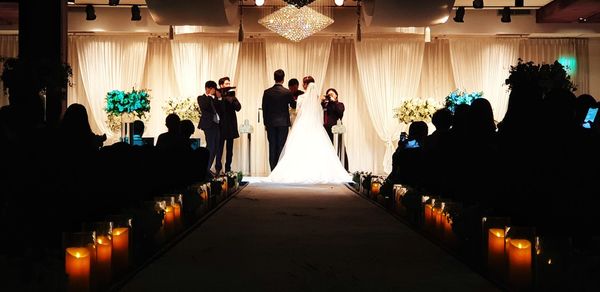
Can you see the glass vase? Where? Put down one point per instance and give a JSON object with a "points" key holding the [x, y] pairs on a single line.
{"points": [[493, 245], [521, 250], [102, 266], [121, 240]]}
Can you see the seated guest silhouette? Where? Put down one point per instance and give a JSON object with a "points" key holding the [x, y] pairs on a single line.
{"points": [[187, 130], [75, 132], [138, 132], [172, 140], [409, 160]]}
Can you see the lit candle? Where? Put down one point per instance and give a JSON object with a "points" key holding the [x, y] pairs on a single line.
{"points": [[428, 216], [224, 184], [496, 250], [447, 230], [77, 267], [375, 186], [437, 218], [120, 248], [519, 263], [169, 221], [103, 259]]}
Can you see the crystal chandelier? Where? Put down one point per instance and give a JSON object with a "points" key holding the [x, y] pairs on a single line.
{"points": [[299, 3], [295, 24]]}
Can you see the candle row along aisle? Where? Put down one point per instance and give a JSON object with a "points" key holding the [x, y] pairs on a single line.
{"points": [[512, 256], [103, 252]]}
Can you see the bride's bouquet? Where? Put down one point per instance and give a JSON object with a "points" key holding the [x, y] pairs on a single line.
{"points": [[414, 110]]}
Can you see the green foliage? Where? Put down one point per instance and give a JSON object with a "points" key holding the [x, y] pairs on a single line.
{"points": [[544, 76]]}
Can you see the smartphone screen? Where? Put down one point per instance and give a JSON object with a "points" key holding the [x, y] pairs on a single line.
{"points": [[591, 115], [412, 144]]}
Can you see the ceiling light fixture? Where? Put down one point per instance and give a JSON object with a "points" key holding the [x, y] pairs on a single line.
{"points": [[339, 2], [113, 2], [519, 3], [506, 15], [460, 15], [136, 14], [299, 3], [478, 4], [259, 2], [295, 24], [90, 12]]}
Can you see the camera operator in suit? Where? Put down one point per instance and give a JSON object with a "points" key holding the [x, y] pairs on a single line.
{"points": [[210, 119], [228, 126]]}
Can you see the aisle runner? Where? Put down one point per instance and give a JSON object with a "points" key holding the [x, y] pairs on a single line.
{"points": [[281, 238]]}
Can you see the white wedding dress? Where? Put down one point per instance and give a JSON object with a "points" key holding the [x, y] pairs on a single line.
{"points": [[308, 156]]}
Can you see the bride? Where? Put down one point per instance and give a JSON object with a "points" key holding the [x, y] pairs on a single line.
{"points": [[308, 156]]}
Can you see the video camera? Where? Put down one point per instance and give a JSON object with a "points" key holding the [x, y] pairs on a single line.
{"points": [[227, 91]]}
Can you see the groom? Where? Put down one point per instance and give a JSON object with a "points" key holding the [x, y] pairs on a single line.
{"points": [[275, 105]]}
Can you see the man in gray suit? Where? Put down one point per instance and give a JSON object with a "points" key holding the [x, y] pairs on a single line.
{"points": [[275, 105]]}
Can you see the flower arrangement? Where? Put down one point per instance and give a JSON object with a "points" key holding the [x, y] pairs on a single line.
{"points": [[118, 103], [186, 109], [458, 97], [414, 110], [546, 76]]}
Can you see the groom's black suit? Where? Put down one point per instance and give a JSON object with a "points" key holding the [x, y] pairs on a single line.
{"points": [[276, 116]]}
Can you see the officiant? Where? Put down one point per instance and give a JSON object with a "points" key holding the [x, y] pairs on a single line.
{"points": [[229, 125]]}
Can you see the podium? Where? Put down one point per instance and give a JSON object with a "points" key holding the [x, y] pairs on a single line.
{"points": [[246, 128], [338, 141]]}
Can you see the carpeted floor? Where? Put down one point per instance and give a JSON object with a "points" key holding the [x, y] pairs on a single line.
{"points": [[305, 238]]}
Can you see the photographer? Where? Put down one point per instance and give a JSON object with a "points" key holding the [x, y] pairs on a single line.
{"points": [[333, 110], [229, 125]]}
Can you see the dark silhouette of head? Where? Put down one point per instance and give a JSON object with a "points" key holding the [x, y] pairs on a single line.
{"points": [[172, 123], [481, 118], [293, 85], [461, 118], [442, 119], [138, 128], [187, 128], [279, 75], [523, 110], [582, 104], [75, 121], [210, 84], [559, 110], [418, 131]]}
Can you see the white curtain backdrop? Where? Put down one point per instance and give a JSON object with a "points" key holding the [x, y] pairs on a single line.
{"points": [[437, 79], [372, 78], [299, 59], [159, 77], [482, 64], [362, 146], [199, 59], [9, 48], [389, 71], [252, 79], [572, 53], [107, 63]]}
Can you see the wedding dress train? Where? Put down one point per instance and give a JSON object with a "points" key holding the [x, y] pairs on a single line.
{"points": [[308, 156]]}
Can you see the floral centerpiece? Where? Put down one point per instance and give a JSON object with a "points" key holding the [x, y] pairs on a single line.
{"points": [[186, 109], [458, 97], [546, 76], [119, 103], [414, 110]]}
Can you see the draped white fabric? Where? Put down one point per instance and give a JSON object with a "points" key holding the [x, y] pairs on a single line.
{"points": [[482, 64], [362, 146], [390, 71], [197, 60], [437, 79], [252, 80], [299, 59], [9, 47], [108, 63], [159, 76], [572, 53]]}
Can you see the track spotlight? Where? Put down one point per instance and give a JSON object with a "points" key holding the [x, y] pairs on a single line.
{"points": [[519, 3], [506, 15], [260, 2], [113, 2], [460, 15], [339, 2], [478, 4], [171, 32], [427, 34], [90, 12], [136, 15]]}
